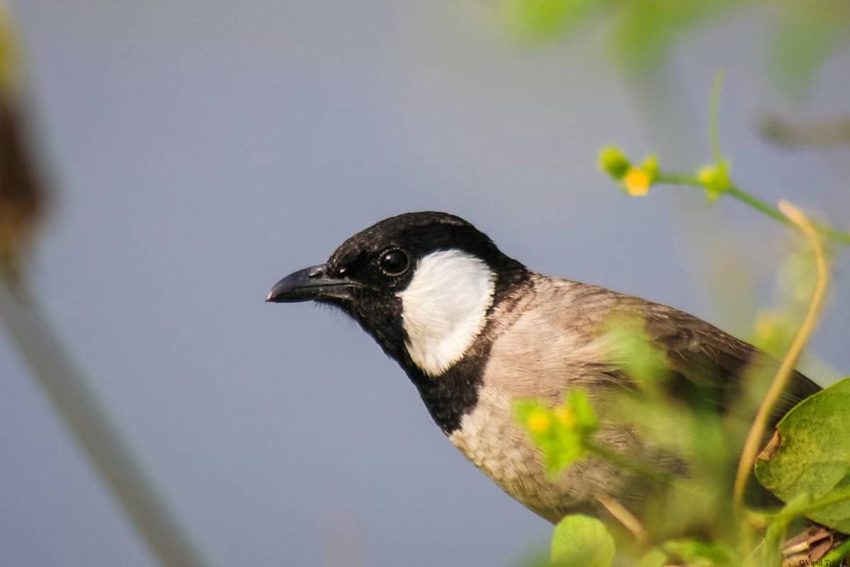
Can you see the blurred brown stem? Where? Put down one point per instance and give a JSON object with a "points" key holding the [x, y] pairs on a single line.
{"points": [[799, 134], [67, 388]]}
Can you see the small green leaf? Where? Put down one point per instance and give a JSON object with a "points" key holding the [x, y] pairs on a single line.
{"points": [[582, 541], [810, 454]]}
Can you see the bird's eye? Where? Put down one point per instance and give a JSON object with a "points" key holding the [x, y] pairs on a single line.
{"points": [[394, 262]]}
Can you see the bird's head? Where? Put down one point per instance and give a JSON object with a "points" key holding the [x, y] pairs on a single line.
{"points": [[422, 284]]}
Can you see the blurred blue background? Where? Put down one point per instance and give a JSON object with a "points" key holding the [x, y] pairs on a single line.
{"points": [[202, 150]]}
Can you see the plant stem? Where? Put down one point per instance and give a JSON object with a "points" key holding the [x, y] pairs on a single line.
{"points": [[780, 381], [837, 554], [834, 497], [754, 202], [714, 116], [625, 517]]}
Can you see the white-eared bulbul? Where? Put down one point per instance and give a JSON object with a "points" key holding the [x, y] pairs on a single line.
{"points": [[476, 330]]}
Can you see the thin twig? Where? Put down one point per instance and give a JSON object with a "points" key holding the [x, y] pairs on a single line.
{"points": [[624, 516], [754, 202], [780, 381], [714, 116]]}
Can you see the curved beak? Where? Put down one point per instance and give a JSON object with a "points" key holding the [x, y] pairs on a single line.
{"points": [[309, 284]]}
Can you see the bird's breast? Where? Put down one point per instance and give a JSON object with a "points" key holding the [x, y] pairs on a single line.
{"points": [[494, 442]]}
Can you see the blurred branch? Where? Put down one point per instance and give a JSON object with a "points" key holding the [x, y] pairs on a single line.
{"points": [[67, 388], [22, 205], [823, 133], [22, 196], [753, 201]]}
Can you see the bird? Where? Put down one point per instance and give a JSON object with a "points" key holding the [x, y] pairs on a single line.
{"points": [[476, 330]]}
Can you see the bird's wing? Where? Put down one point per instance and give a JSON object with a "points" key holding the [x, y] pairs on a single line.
{"points": [[707, 361], [703, 364]]}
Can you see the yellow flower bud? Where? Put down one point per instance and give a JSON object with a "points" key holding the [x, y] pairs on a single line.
{"points": [[707, 175], [539, 421], [637, 182], [565, 416]]}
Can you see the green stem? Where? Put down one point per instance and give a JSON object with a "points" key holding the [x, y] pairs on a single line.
{"points": [[837, 554], [835, 497], [752, 201], [757, 204], [714, 116]]}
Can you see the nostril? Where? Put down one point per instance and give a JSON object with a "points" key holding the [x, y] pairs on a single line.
{"points": [[316, 272]]}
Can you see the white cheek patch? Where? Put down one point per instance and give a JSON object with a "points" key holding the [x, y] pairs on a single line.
{"points": [[445, 307]]}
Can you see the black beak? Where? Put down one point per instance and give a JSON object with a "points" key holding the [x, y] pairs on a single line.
{"points": [[309, 284]]}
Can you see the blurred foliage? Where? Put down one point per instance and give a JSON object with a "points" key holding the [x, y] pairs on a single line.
{"points": [[798, 134], [545, 19], [808, 33], [810, 470], [7, 55], [560, 432], [774, 327], [690, 552], [807, 465], [644, 33], [22, 198]]}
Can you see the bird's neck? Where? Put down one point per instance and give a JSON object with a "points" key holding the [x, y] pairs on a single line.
{"points": [[453, 392]]}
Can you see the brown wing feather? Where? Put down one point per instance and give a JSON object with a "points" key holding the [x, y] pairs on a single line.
{"points": [[714, 361]]}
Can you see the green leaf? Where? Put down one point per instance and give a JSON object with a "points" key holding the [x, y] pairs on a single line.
{"points": [[810, 455], [582, 541]]}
